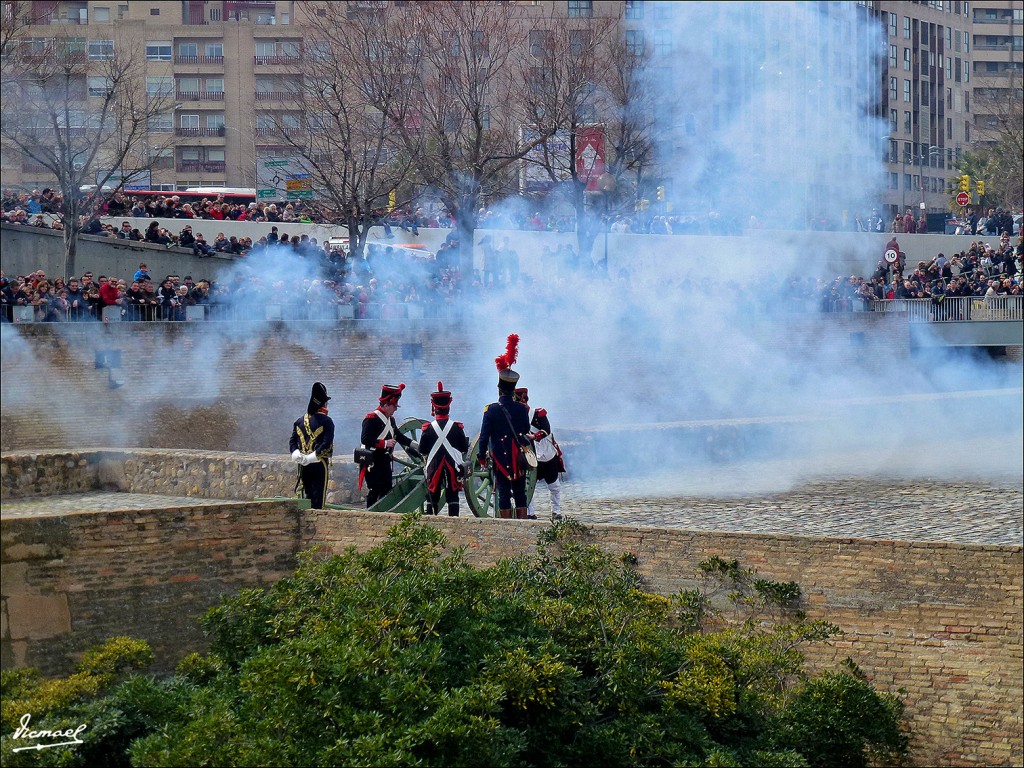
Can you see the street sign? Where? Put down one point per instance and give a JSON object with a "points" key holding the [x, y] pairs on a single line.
{"points": [[891, 255], [276, 163], [963, 199], [301, 194], [266, 194]]}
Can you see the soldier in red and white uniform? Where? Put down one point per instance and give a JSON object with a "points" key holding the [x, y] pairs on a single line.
{"points": [[550, 463], [379, 435], [444, 444]]}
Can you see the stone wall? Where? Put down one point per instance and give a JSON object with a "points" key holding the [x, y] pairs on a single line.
{"points": [[942, 622]]}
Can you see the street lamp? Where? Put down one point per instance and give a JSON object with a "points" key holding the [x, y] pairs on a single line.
{"points": [[607, 186]]}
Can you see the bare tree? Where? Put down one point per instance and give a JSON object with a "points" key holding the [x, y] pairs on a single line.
{"points": [[84, 120], [459, 121], [1000, 129], [572, 90], [354, 72]]}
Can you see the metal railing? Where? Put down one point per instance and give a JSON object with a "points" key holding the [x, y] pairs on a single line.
{"points": [[199, 131], [242, 313], [277, 59], [198, 59], [200, 95], [955, 308]]}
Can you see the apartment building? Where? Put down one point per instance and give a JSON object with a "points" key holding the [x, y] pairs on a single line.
{"points": [[998, 62], [234, 68]]}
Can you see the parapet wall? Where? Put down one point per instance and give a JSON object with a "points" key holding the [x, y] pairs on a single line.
{"points": [[941, 621]]}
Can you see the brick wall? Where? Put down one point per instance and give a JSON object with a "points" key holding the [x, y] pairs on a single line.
{"points": [[941, 621]]}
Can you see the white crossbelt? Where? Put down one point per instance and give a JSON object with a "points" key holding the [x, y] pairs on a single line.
{"points": [[545, 449], [389, 433], [442, 442]]}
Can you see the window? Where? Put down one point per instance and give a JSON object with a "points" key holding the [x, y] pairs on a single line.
{"points": [[158, 50], [894, 181], [266, 50], [925, 90], [162, 123], [159, 86], [635, 42], [188, 85], [291, 49], [214, 50], [894, 88], [906, 59], [581, 9], [662, 42], [967, 101], [906, 27], [188, 50], [892, 25], [290, 122], [906, 90], [907, 124], [894, 150], [215, 122], [967, 42], [190, 153], [215, 155], [478, 41], [540, 42], [100, 86], [101, 15], [215, 85], [188, 122], [154, 11], [893, 51], [579, 41], [101, 50], [894, 120], [634, 9], [264, 123]]}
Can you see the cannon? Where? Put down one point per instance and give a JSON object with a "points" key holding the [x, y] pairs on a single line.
{"points": [[409, 492]]}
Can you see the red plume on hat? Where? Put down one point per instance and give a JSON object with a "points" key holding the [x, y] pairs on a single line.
{"points": [[441, 400], [511, 353]]}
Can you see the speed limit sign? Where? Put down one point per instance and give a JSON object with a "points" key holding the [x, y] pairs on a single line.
{"points": [[891, 255]]}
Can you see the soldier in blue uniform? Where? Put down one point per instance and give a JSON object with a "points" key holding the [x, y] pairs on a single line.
{"points": [[550, 463], [504, 429], [444, 443], [379, 435], [312, 446]]}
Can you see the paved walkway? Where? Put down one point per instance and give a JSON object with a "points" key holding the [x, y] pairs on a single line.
{"points": [[961, 512]]}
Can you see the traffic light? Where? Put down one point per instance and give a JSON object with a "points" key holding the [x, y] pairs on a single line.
{"points": [[981, 187], [965, 183], [661, 193]]}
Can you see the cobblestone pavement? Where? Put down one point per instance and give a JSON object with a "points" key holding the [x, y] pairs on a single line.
{"points": [[844, 508]]}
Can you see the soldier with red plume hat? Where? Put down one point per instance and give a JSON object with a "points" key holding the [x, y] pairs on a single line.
{"points": [[504, 429], [379, 435], [444, 443]]}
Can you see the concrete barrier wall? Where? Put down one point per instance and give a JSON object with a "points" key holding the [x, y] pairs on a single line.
{"points": [[941, 621], [657, 257]]}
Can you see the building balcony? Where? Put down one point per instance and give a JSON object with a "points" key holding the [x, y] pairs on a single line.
{"points": [[265, 61], [276, 96], [199, 131], [199, 96], [201, 166], [218, 60]]}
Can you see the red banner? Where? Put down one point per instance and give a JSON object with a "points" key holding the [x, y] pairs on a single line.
{"points": [[590, 155]]}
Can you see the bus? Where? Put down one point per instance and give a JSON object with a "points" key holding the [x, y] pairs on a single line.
{"points": [[232, 195]]}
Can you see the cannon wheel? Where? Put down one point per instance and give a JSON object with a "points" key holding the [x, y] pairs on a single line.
{"points": [[481, 494], [409, 490]]}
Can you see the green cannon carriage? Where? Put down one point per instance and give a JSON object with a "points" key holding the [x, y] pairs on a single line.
{"points": [[410, 486]]}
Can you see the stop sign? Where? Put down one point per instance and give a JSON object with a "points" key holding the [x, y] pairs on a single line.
{"points": [[963, 199]]}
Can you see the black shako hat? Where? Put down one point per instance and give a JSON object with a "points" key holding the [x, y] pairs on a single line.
{"points": [[507, 378], [390, 394], [522, 395], [441, 400], [317, 398]]}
